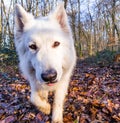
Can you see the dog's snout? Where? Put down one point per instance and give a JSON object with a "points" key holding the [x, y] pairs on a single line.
{"points": [[49, 75]]}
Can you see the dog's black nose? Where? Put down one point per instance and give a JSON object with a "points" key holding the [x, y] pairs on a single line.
{"points": [[49, 75]]}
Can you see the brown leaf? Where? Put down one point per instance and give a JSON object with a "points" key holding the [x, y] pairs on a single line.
{"points": [[117, 118], [110, 105], [93, 112]]}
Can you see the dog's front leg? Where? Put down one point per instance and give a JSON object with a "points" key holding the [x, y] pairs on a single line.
{"points": [[60, 93], [39, 99]]}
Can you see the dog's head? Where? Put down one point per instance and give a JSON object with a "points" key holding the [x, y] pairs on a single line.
{"points": [[44, 44]]}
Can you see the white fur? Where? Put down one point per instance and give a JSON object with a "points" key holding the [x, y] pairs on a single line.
{"points": [[44, 32]]}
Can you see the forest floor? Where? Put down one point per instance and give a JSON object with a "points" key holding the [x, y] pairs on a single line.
{"points": [[93, 96]]}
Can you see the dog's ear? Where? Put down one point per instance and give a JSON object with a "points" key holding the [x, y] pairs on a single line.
{"points": [[21, 18], [60, 15]]}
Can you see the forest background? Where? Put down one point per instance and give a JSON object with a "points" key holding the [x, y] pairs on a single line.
{"points": [[95, 25]]}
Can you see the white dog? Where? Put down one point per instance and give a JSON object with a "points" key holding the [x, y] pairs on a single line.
{"points": [[47, 56]]}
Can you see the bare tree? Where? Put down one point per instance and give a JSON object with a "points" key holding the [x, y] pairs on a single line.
{"points": [[94, 29]]}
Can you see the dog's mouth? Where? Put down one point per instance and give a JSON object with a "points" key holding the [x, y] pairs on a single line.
{"points": [[51, 83]]}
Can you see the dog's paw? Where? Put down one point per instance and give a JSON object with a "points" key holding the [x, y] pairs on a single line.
{"points": [[57, 116], [46, 109]]}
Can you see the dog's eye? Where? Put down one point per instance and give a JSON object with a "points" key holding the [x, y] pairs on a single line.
{"points": [[33, 47], [56, 44]]}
